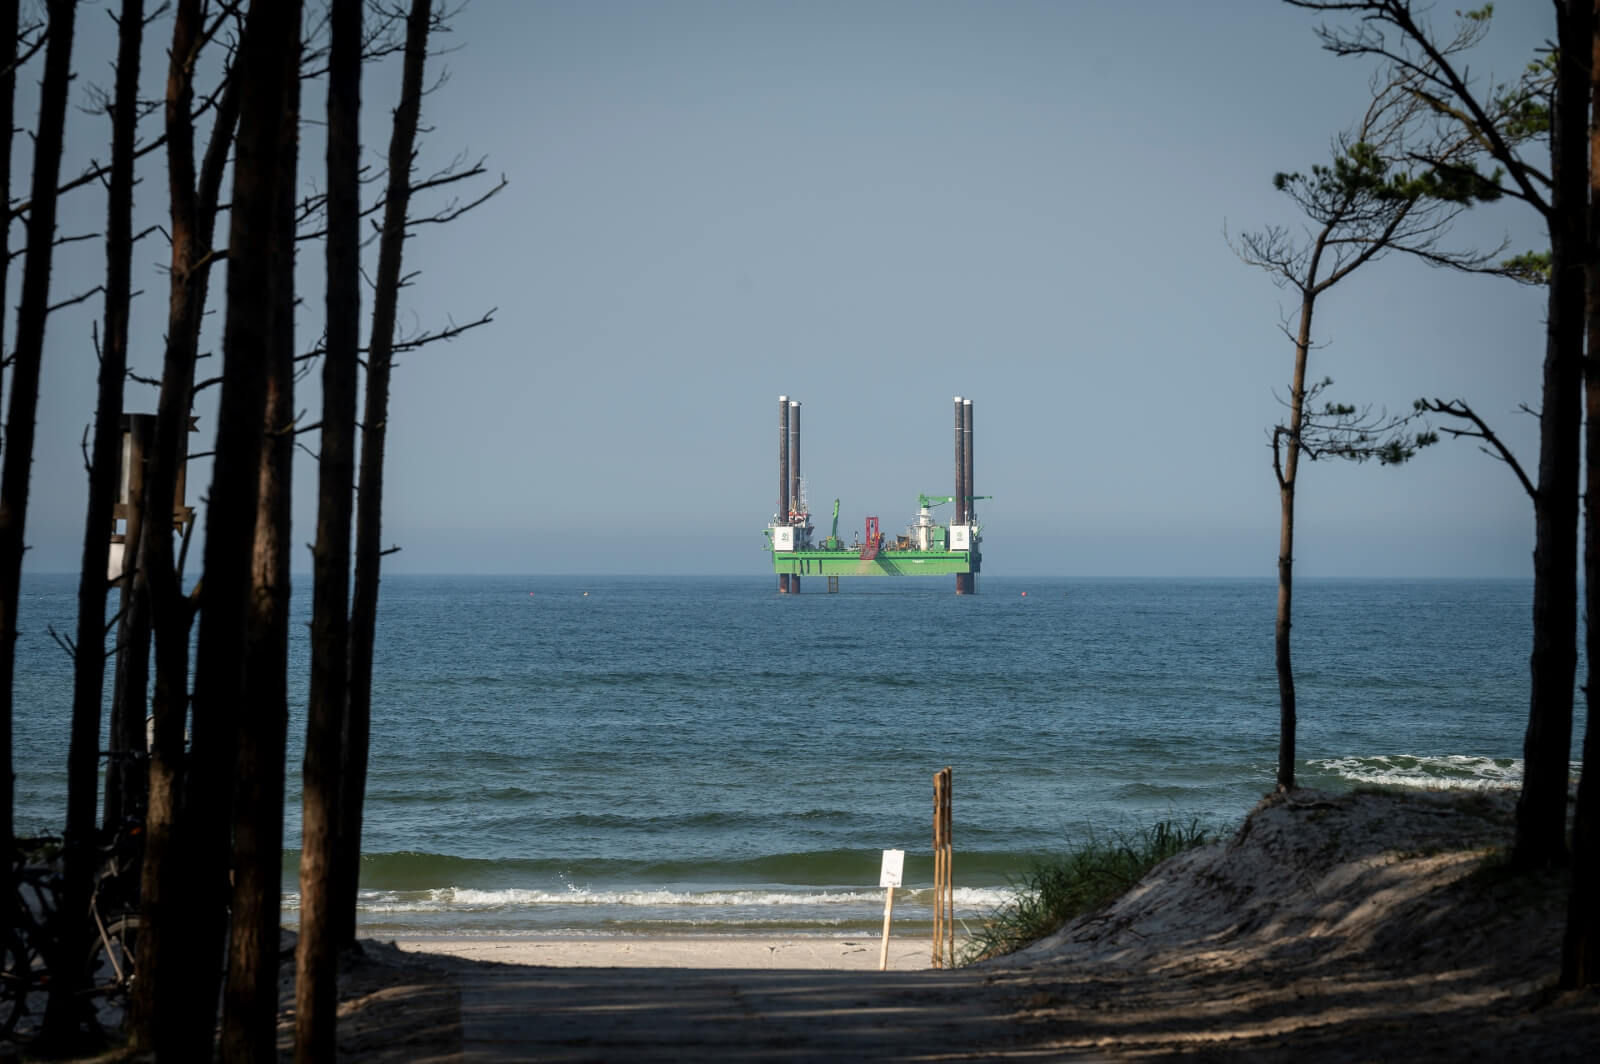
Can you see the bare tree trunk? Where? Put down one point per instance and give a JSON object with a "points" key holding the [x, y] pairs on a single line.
{"points": [[1287, 471], [271, 33], [1547, 748], [126, 773], [156, 1016], [1580, 949], [8, 636], [250, 1008], [127, 778], [316, 962], [104, 469], [369, 498], [32, 310], [9, 13], [193, 212]]}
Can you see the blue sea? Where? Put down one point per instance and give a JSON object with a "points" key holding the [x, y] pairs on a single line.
{"points": [[564, 755]]}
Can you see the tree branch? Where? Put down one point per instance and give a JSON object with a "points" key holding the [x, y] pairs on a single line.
{"points": [[1458, 408], [75, 299]]}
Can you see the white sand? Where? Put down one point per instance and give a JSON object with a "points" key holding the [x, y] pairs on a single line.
{"points": [[685, 951]]}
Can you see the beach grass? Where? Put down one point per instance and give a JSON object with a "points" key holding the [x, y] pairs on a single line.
{"points": [[1088, 876]]}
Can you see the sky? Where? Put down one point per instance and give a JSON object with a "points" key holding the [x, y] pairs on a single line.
{"points": [[870, 207]]}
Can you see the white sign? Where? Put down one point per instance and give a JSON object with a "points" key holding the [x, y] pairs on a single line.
{"points": [[960, 537], [783, 537], [894, 862]]}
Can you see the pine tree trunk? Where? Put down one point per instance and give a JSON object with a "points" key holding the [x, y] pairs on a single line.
{"points": [[156, 1014], [250, 1006], [369, 497], [1547, 747], [8, 93], [1580, 949], [126, 773], [270, 34], [83, 755], [316, 961], [32, 310], [1286, 485], [89, 668]]}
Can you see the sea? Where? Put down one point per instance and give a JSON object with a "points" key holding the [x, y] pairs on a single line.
{"points": [[560, 755]]}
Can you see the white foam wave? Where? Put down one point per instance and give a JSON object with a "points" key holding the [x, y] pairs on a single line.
{"points": [[983, 899], [467, 899], [1451, 772]]}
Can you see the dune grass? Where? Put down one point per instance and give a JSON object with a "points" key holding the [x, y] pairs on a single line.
{"points": [[1085, 878]]}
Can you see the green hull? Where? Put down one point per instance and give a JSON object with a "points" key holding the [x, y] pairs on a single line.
{"points": [[887, 563]]}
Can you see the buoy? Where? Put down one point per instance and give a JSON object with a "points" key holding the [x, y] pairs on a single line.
{"points": [[1024, 594]]}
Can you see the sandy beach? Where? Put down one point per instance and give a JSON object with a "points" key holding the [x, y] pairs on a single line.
{"points": [[1365, 926], [807, 952]]}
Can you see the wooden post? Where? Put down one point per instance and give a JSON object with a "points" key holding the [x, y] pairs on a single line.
{"points": [[938, 872], [893, 866], [949, 872], [888, 912], [944, 907]]}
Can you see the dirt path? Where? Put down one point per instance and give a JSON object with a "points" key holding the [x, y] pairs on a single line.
{"points": [[661, 1014]]}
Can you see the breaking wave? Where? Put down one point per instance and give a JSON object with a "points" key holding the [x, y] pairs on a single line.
{"points": [[1450, 772]]}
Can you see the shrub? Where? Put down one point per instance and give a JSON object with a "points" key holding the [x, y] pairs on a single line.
{"points": [[1085, 878]]}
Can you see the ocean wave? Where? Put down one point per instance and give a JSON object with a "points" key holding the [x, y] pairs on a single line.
{"points": [[469, 900], [411, 870], [1449, 772], [974, 899]]}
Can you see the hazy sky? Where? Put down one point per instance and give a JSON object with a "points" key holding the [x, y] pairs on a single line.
{"points": [[872, 207]]}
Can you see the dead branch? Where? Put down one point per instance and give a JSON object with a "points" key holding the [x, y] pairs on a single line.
{"points": [[452, 212], [423, 339], [446, 334], [62, 641], [31, 49], [116, 618], [1492, 445], [57, 242], [75, 299], [449, 175], [205, 261], [94, 173], [1278, 433]]}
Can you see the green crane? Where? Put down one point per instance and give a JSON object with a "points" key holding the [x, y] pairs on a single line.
{"points": [[925, 501], [833, 537]]}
